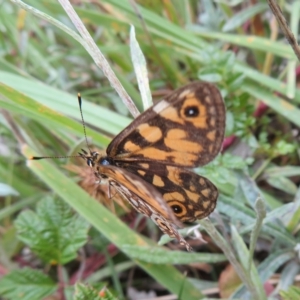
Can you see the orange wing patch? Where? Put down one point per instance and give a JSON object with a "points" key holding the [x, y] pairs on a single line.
{"points": [[157, 180], [170, 113], [176, 139], [151, 134], [211, 135]]}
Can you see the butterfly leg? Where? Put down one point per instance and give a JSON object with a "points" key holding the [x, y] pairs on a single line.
{"points": [[169, 229], [98, 181], [109, 191], [111, 184]]}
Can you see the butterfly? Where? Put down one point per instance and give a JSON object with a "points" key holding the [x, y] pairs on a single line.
{"points": [[147, 162]]}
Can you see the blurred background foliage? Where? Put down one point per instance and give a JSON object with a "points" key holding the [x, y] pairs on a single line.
{"points": [[54, 235]]}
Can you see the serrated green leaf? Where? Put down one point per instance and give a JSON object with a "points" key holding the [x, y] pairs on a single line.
{"points": [[26, 284], [87, 292], [54, 233]]}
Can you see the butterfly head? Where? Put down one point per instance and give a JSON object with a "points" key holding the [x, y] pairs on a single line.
{"points": [[91, 158]]}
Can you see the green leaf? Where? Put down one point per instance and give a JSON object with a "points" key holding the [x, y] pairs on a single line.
{"points": [[289, 272], [292, 218], [273, 262], [140, 68], [235, 162], [249, 189], [260, 210], [54, 233], [287, 171], [26, 284], [270, 224], [236, 210], [156, 255], [280, 105], [240, 18], [244, 258], [210, 77], [282, 183], [276, 177], [268, 267]]}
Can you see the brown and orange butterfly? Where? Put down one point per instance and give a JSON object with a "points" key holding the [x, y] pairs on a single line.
{"points": [[146, 162]]}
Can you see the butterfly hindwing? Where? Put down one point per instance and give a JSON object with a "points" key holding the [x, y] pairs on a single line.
{"points": [[190, 195], [145, 199], [132, 186]]}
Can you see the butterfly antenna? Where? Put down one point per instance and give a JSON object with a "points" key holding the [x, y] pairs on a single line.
{"points": [[55, 157], [83, 123], [85, 136]]}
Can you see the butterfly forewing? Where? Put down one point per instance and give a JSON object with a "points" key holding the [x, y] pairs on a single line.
{"points": [[185, 129]]}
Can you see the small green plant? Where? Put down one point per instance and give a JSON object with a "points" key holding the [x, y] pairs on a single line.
{"points": [[54, 234]]}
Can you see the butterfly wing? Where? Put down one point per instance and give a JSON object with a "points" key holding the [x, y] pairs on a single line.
{"points": [[185, 129], [145, 199], [190, 196]]}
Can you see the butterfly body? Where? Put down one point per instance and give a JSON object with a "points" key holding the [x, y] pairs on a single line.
{"points": [[146, 162]]}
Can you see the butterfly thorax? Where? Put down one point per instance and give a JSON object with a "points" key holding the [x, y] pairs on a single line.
{"points": [[105, 161]]}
